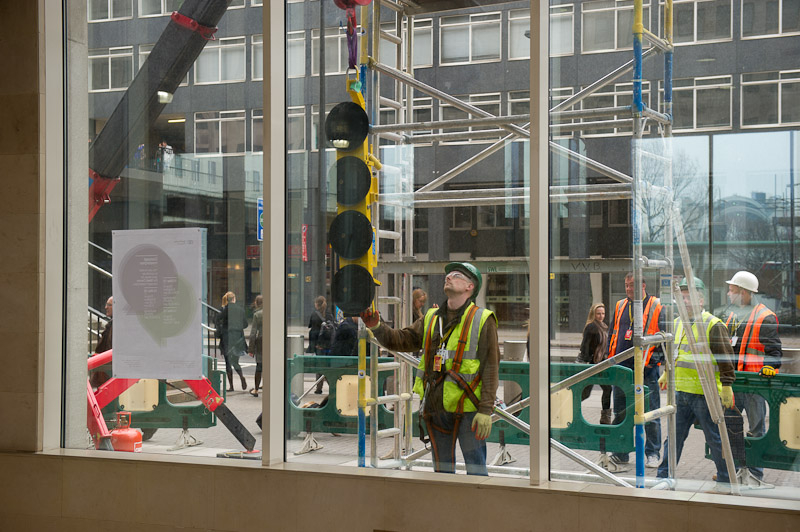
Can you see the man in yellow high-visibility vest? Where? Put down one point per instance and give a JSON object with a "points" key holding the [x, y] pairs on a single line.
{"points": [[690, 401], [457, 375]]}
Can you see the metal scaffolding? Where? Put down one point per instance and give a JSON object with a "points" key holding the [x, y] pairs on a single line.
{"points": [[565, 117]]}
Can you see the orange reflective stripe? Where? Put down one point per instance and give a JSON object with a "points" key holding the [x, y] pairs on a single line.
{"points": [[620, 308], [751, 350], [462, 340], [651, 324]]}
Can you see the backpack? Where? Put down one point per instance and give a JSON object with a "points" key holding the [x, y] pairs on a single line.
{"points": [[327, 333]]}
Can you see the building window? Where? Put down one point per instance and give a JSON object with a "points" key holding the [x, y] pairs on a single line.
{"points": [[562, 21], [388, 49], [469, 38], [101, 10], [219, 132], [618, 95], [296, 54], [154, 8], [494, 217], [335, 51], [110, 68], [488, 102], [256, 3], [771, 98], [144, 52], [258, 130], [699, 21], [221, 61], [701, 103], [258, 57], [761, 18], [423, 43], [315, 124], [558, 95], [607, 25], [296, 129]]}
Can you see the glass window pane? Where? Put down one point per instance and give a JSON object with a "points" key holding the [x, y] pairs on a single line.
{"points": [[486, 42], [625, 28], [121, 71], [683, 109], [233, 136], [258, 61], [206, 137], [790, 103], [207, 69], [296, 60], [98, 73], [455, 44], [683, 22], [759, 104], [598, 31], [714, 20], [98, 9], [519, 45], [149, 7], [561, 41], [759, 17], [122, 8], [713, 107], [423, 46], [233, 61], [790, 20]]}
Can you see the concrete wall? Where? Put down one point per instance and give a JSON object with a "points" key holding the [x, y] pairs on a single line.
{"points": [[87, 490]]}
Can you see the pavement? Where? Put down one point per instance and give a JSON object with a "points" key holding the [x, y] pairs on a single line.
{"points": [[694, 470]]}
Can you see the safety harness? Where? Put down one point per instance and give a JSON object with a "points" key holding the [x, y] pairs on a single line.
{"points": [[432, 378]]}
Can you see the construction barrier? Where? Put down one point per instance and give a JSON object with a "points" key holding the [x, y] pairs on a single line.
{"points": [[151, 409], [779, 447]]}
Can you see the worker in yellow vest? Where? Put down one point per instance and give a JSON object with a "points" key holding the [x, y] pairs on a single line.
{"points": [[753, 329], [620, 338], [690, 401], [457, 375]]}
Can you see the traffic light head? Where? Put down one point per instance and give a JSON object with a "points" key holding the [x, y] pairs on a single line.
{"points": [[347, 126], [351, 234]]}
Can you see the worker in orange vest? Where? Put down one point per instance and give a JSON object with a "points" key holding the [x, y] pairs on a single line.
{"points": [[753, 329], [621, 338]]}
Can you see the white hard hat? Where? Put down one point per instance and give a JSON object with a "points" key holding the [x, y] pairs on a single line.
{"points": [[745, 280]]}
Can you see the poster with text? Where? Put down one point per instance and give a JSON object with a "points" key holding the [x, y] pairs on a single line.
{"points": [[157, 288]]}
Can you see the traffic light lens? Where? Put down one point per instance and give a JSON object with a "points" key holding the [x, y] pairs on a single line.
{"points": [[350, 234], [353, 180], [353, 289], [347, 126]]}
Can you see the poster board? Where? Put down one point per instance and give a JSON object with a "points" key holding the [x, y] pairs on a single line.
{"points": [[158, 288]]}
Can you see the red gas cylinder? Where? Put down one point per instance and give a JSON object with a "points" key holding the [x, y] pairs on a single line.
{"points": [[123, 437]]}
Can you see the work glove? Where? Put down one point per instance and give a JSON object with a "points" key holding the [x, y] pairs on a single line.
{"points": [[727, 396], [662, 381], [482, 426], [768, 371], [371, 318]]}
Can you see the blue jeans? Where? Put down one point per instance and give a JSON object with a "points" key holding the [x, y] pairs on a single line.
{"points": [[443, 442], [691, 406], [756, 408], [652, 429]]}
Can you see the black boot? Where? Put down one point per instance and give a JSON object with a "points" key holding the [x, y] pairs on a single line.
{"points": [[229, 371], [244, 382]]}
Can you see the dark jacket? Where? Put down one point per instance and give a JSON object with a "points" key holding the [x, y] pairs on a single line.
{"points": [[230, 325]]}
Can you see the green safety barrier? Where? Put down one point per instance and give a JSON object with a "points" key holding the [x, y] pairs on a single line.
{"points": [[779, 447], [517, 372], [174, 415], [579, 433], [328, 418]]}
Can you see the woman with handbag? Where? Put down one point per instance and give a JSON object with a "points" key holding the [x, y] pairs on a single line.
{"points": [[594, 348], [230, 325]]}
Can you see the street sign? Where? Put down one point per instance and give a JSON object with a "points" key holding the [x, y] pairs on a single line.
{"points": [[260, 219]]}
